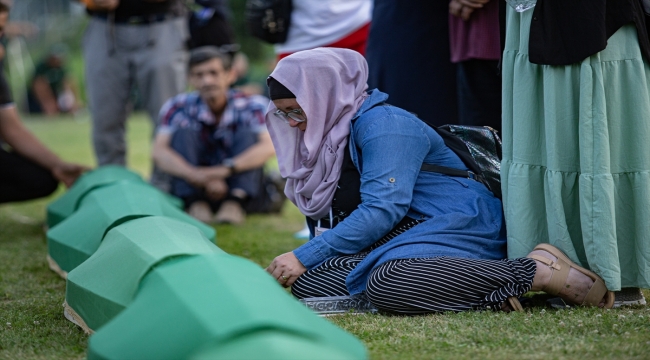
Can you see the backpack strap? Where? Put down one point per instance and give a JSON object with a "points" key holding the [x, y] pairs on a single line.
{"points": [[453, 172]]}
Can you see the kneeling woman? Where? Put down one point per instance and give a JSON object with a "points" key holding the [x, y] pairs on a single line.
{"points": [[412, 241]]}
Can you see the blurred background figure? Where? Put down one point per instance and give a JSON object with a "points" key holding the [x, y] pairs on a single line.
{"points": [[327, 23], [408, 58], [29, 169], [475, 49], [51, 91], [214, 142], [243, 83], [210, 25], [126, 43]]}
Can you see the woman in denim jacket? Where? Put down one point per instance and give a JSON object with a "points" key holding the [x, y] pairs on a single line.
{"points": [[411, 241]]}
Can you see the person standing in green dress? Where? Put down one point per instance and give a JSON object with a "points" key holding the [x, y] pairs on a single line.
{"points": [[576, 124]]}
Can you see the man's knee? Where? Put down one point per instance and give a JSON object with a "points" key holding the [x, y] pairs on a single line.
{"points": [[188, 144], [242, 140]]}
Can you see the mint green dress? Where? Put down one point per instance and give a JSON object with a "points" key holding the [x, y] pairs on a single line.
{"points": [[576, 155]]}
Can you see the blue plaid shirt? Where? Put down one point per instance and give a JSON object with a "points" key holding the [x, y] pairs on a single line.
{"points": [[188, 110]]}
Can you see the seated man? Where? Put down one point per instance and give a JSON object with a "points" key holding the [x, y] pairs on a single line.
{"points": [[213, 141]]}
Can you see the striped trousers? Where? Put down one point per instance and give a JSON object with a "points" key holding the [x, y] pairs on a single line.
{"points": [[423, 285]]}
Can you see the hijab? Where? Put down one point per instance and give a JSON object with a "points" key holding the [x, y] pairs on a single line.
{"points": [[330, 86]]}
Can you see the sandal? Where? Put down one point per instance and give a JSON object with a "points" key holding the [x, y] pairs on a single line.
{"points": [[561, 267]]}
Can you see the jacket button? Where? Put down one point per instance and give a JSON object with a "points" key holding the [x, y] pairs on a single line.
{"points": [[391, 180]]}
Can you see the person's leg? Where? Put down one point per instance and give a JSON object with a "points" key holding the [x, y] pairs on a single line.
{"points": [[21, 179], [161, 66], [33, 105], [161, 72], [417, 72], [242, 186], [418, 286], [187, 143], [329, 278], [248, 181], [479, 93], [326, 280], [107, 86]]}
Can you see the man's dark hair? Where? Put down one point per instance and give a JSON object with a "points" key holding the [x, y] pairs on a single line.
{"points": [[207, 53], [4, 7]]}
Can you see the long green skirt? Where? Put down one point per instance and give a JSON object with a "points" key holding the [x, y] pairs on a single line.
{"points": [[576, 155]]}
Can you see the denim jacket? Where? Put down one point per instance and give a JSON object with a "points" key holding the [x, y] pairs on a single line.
{"points": [[388, 145]]}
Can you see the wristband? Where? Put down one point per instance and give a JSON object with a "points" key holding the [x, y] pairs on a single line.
{"points": [[230, 164]]}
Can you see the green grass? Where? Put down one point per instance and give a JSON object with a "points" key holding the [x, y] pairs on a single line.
{"points": [[32, 325]]}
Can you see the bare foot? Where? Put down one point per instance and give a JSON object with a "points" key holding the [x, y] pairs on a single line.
{"points": [[201, 211], [575, 288]]}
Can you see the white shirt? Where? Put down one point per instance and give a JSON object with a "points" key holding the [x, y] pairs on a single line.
{"points": [[317, 23]]}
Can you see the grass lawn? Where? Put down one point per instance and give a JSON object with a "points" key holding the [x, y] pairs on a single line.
{"points": [[32, 325]]}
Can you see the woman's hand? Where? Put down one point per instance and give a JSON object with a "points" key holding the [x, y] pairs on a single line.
{"points": [[286, 268]]}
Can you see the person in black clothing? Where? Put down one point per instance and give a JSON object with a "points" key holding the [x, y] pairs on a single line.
{"points": [[210, 25], [29, 169]]}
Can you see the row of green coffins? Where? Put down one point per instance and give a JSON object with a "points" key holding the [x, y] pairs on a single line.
{"points": [[148, 282]]}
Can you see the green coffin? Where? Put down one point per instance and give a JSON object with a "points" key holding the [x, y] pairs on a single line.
{"points": [[75, 239], [64, 206], [218, 306], [106, 283], [273, 345]]}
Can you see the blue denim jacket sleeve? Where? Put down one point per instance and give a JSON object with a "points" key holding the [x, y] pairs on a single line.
{"points": [[392, 148]]}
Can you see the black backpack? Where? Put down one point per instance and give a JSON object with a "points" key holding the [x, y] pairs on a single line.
{"points": [[269, 20], [479, 147]]}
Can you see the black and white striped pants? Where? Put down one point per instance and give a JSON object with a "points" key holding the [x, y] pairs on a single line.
{"points": [[424, 285]]}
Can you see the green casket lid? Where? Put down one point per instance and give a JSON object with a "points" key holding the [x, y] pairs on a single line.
{"points": [[65, 205], [207, 304], [75, 239], [106, 283]]}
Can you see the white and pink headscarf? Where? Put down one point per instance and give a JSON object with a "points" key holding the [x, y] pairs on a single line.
{"points": [[330, 85]]}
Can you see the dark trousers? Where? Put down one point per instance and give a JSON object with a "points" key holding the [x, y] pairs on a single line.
{"points": [[199, 151], [408, 58], [479, 93], [21, 179], [217, 32]]}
